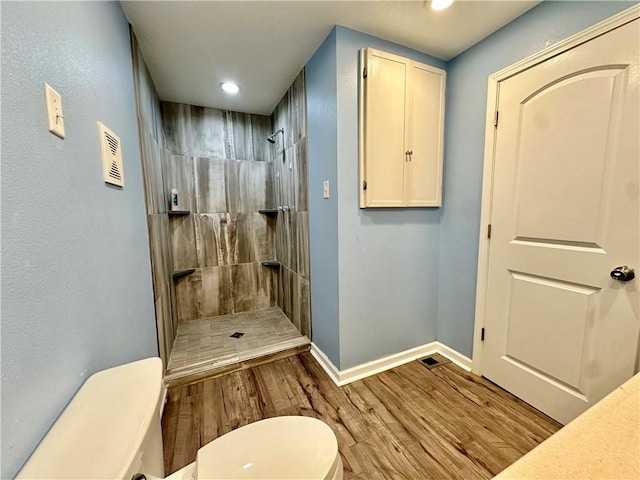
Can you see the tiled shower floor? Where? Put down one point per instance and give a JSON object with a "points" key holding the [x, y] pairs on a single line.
{"points": [[208, 341]]}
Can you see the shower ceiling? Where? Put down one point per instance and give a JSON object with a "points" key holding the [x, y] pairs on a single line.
{"points": [[192, 46]]}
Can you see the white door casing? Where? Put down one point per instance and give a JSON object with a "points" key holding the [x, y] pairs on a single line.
{"points": [[561, 194]]}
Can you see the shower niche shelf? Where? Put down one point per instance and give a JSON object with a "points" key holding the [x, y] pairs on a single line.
{"points": [[182, 273], [271, 264], [270, 212], [178, 213]]}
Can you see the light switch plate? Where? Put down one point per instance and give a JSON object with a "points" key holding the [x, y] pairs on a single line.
{"points": [[325, 188], [55, 116]]}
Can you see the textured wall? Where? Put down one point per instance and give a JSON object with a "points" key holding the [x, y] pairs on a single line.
{"points": [[320, 73], [542, 26], [292, 224], [374, 271], [220, 163], [76, 278], [388, 257], [156, 200]]}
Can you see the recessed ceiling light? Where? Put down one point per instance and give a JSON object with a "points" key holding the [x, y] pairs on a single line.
{"points": [[440, 4], [230, 87]]}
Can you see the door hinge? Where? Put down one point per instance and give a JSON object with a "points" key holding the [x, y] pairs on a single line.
{"points": [[364, 72], [482, 334], [364, 184], [495, 122], [489, 231]]}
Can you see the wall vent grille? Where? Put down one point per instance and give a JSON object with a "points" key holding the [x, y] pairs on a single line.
{"points": [[114, 143], [112, 171]]}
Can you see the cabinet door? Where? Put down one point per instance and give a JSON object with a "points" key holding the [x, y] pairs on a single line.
{"points": [[384, 129], [424, 137]]}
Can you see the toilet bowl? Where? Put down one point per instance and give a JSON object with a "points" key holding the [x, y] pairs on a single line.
{"points": [[111, 429], [277, 448]]}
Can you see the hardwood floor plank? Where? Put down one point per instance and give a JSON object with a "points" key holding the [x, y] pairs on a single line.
{"points": [[373, 464], [492, 444], [274, 385], [361, 476], [534, 424], [351, 465], [252, 408], [502, 424], [463, 428], [187, 433], [388, 426], [232, 402], [374, 413], [325, 398], [170, 427], [384, 425], [398, 456], [263, 398], [406, 423], [213, 413], [435, 434], [296, 382]]}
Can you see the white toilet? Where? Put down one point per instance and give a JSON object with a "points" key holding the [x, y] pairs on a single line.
{"points": [[111, 430]]}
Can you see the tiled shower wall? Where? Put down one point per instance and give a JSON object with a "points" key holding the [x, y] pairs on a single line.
{"points": [[292, 224], [220, 162], [225, 171], [152, 152]]}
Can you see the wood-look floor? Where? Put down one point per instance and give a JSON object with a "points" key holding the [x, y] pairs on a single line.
{"points": [[406, 423]]}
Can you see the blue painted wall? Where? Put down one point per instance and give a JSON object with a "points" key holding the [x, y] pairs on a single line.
{"points": [[76, 278], [320, 74], [388, 259], [382, 264], [408, 276], [542, 26]]}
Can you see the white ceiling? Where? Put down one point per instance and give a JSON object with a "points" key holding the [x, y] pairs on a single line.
{"points": [[192, 46]]}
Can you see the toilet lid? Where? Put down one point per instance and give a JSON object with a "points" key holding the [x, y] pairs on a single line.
{"points": [[280, 447]]}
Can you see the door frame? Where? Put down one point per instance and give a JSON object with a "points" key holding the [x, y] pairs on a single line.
{"points": [[611, 23]]}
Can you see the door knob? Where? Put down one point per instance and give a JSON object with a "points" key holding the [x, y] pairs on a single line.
{"points": [[623, 273]]}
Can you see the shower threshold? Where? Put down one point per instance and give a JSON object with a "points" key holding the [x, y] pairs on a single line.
{"points": [[218, 345], [200, 371]]}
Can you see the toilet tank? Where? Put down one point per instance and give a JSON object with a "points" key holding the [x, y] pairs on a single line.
{"points": [[110, 429]]}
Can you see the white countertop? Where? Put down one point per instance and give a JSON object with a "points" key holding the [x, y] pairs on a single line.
{"points": [[603, 442]]}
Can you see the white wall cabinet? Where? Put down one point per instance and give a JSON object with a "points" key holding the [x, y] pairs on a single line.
{"points": [[401, 131]]}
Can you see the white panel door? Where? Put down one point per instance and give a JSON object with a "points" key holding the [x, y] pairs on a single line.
{"points": [[560, 332]]}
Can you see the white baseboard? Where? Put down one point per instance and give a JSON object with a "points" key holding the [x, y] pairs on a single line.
{"points": [[343, 377], [326, 364], [455, 356]]}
